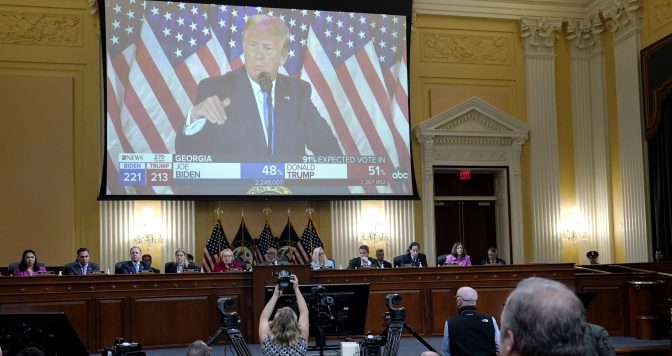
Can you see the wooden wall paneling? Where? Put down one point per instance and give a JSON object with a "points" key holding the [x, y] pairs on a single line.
{"points": [[443, 307], [169, 321], [108, 321]]}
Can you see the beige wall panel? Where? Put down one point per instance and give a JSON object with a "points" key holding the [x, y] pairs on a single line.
{"points": [[59, 39], [441, 99], [656, 21], [38, 205]]}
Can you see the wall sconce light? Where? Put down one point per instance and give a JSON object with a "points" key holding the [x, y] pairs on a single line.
{"points": [[573, 227]]}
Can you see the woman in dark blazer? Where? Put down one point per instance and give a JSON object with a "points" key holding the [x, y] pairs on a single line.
{"points": [[180, 264]]}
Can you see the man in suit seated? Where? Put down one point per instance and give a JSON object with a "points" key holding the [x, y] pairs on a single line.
{"points": [[272, 258], [380, 262], [492, 258], [413, 257], [135, 265], [147, 259], [82, 266], [363, 259]]}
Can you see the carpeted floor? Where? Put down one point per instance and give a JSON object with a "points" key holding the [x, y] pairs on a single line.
{"points": [[408, 346]]}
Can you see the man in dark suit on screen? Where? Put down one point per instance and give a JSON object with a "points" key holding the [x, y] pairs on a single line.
{"points": [[82, 266], [254, 111]]}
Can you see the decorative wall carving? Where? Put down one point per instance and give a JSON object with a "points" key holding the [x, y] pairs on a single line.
{"points": [[620, 13], [465, 49], [584, 33], [35, 28], [540, 31]]}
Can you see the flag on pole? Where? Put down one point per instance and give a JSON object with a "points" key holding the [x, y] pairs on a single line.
{"points": [[243, 245], [265, 241], [216, 243], [287, 242], [310, 239]]}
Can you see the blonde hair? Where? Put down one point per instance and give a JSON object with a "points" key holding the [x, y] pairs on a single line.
{"points": [[284, 328], [320, 261], [221, 254], [186, 259]]}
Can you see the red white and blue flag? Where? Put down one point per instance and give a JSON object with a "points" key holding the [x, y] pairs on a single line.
{"points": [[157, 52]]}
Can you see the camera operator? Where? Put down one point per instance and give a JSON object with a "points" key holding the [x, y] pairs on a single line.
{"points": [[284, 335]]}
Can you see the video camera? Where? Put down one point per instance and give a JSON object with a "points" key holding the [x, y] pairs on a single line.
{"points": [[227, 317], [321, 292], [122, 347], [370, 345], [394, 314], [284, 279]]}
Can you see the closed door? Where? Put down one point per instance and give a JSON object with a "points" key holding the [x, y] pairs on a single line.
{"points": [[467, 221]]}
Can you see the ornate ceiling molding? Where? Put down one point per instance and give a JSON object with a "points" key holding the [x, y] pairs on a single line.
{"points": [[37, 28]]}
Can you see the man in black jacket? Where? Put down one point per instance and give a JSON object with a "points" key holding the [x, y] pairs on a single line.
{"points": [[414, 257], [380, 262], [469, 332]]}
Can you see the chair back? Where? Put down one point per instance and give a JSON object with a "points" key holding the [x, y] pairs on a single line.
{"points": [[441, 260], [117, 267], [12, 266], [397, 261]]}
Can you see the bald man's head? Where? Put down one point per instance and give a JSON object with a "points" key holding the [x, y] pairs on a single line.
{"points": [[466, 296]]}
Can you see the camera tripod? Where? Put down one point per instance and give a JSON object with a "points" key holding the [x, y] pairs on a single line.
{"points": [[394, 328], [235, 338], [323, 317]]}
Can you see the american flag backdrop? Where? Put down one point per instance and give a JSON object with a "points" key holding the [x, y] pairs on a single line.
{"points": [[310, 239], [157, 52], [264, 241], [216, 243]]}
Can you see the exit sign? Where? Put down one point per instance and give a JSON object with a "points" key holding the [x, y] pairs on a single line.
{"points": [[464, 174]]}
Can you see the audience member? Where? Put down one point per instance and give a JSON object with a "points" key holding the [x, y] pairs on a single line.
{"points": [[469, 332], [542, 317], [82, 266], [284, 335], [135, 265], [592, 257], [414, 257], [198, 348], [458, 256], [659, 255], [492, 258], [320, 260], [227, 263], [147, 259], [596, 337], [273, 259], [180, 264], [362, 260], [28, 265], [380, 262]]}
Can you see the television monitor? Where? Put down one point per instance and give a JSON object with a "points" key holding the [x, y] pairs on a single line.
{"points": [[188, 113], [347, 315], [51, 332]]}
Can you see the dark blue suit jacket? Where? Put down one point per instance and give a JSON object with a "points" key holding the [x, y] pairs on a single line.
{"points": [[407, 260], [297, 122], [128, 268]]}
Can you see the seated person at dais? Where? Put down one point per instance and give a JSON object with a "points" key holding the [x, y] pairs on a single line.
{"points": [[320, 259], [458, 256], [147, 259], [492, 258], [28, 265], [180, 264], [227, 263], [82, 266], [362, 261], [273, 259], [413, 257], [135, 265], [380, 262], [592, 257]]}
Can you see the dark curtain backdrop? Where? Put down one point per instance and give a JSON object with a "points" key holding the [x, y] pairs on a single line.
{"points": [[660, 180]]}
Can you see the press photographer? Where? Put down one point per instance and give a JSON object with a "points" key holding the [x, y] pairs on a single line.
{"points": [[285, 334]]}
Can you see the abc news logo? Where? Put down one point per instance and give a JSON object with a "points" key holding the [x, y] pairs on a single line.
{"points": [[400, 174]]}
